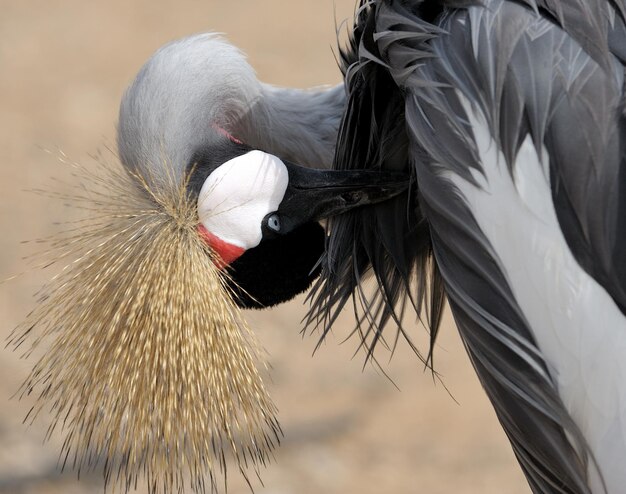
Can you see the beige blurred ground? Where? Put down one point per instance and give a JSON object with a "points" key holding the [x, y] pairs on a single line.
{"points": [[63, 67]]}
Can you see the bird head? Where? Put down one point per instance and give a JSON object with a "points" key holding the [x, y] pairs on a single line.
{"points": [[197, 106]]}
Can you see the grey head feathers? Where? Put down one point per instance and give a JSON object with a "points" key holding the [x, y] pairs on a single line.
{"points": [[184, 89], [193, 89]]}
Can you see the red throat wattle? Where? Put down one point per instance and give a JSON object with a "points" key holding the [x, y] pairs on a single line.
{"points": [[225, 252]]}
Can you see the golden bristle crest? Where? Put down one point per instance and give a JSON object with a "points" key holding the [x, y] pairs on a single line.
{"points": [[149, 368]]}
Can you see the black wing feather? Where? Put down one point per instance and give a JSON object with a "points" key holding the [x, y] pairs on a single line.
{"points": [[390, 240]]}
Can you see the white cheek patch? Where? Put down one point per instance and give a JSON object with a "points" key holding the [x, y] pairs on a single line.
{"points": [[237, 195]]}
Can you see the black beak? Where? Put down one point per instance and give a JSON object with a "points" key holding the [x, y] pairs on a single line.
{"points": [[314, 194]]}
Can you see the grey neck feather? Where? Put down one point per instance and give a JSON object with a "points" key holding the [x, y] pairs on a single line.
{"points": [[192, 86], [301, 125]]}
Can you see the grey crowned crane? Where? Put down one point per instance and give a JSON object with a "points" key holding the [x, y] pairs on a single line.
{"points": [[483, 141]]}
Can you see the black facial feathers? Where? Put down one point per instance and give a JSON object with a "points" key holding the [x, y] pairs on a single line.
{"points": [[278, 269]]}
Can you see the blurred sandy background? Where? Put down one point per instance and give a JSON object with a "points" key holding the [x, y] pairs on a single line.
{"points": [[63, 68]]}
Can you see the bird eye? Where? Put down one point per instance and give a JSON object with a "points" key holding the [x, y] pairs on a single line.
{"points": [[273, 222]]}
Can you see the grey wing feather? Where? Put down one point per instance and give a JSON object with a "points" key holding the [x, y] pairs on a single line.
{"points": [[491, 55], [584, 74], [545, 84], [519, 62], [565, 92]]}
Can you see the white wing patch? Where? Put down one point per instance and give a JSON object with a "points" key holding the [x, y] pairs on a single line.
{"points": [[577, 326], [237, 195]]}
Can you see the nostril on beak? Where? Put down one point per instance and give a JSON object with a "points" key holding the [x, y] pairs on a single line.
{"points": [[353, 197]]}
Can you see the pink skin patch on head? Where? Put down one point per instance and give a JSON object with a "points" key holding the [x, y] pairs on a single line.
{"points": [[225, 133], [225, 253]]}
